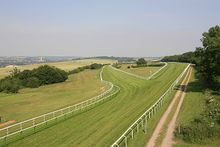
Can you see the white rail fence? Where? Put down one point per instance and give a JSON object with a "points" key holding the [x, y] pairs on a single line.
{"points": [[32, 123], [143, 119], [157, 71], [141, 77]]}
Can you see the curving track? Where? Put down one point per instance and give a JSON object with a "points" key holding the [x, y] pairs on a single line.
{"points": [[102, 125]]}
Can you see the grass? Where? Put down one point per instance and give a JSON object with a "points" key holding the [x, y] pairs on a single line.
{"points": [[65, 65], [103, 124], [31, 102], [193, 106], [194, 102], [141, 71], [141, 138]]}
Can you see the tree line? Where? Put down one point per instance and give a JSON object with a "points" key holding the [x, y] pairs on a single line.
{"points": [[206, 58], [205, 126]]}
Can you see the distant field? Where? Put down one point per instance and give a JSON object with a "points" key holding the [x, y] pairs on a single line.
{"points": [[142, 71], [103, 124], [66, 65]]}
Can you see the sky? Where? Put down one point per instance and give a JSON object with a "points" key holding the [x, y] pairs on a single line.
{"points": [[104, 27]]}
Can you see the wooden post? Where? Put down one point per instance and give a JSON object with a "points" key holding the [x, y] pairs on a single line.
{"points": [[21, 126]]}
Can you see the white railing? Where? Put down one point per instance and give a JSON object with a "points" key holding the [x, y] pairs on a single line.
{"points": [[141, 77], [43, 119], [157, 71], [142, 120]]}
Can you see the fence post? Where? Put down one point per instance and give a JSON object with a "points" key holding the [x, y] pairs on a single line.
{"points": [[126, 142], [5, 139], [21, 129], [34, 124], [145, 126], [132, 134]]}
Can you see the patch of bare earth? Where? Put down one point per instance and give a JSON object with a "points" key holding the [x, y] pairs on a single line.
{"points": [[167, 141], [7, 123]]}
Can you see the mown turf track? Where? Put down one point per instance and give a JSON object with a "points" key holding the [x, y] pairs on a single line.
{"points": [[102, 125]]}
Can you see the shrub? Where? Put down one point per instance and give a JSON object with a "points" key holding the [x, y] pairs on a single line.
{"points": [[141, 62], [32, 82], [49, 75], [96, 66], [198, 131], [206, 126], [10, 85], [79, 69]]}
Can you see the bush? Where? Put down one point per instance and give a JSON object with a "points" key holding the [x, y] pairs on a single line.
{"points": [[96, 66], [49, 75], [141, 62], [199, 131], [32, 82], [10, 85], [79, 69], [206, 126]]}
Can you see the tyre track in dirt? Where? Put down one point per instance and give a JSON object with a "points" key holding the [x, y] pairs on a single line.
{"points": [[168, 139]]}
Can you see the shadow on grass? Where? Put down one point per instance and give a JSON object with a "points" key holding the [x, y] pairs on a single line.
{"points": [[200, 85]]}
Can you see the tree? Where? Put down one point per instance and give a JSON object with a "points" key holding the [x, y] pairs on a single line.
{"points": [[141, 62], [14, 72], [209, 55], [49, 75]]}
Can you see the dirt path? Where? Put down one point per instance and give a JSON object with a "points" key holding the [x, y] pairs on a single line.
{"points": [[167, 141]]}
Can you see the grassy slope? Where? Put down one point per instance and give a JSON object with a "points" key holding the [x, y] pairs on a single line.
{"points": [[102, 125], [65, 65], [35, 101], [192, 107], [142, 71]]}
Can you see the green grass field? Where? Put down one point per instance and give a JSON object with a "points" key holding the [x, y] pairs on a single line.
{"points": [[141, 71], [103, 124], [31, 102], [65, 65]]}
